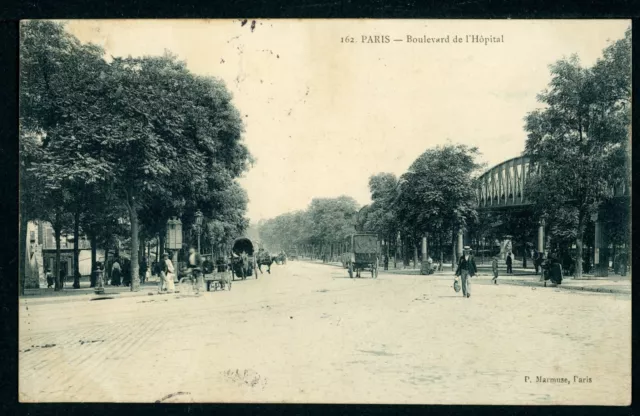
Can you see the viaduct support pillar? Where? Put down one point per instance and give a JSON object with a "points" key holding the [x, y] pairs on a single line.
{"points": [[541, 236]]}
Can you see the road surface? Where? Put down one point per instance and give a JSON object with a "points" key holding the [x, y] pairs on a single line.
{"points": [[308, 333]]}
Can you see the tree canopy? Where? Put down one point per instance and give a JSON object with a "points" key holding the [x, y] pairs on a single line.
{"points": [[579, 139], [158, 139]]}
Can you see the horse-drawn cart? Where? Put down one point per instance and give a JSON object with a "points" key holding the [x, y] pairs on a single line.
{"points": [[243, 261], [218, 276], [362, 254]]}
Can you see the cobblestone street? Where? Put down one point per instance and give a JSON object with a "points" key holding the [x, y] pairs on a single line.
{"points": [[308, 333]]}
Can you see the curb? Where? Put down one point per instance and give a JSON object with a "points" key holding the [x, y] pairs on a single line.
{"points": [[84, 297], [575, 288], [538, 284]]}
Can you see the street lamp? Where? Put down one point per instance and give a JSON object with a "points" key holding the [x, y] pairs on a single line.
{"points": [[199, 227]]}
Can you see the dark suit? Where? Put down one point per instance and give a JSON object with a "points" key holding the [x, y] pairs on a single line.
{"points": [[466, 269]]}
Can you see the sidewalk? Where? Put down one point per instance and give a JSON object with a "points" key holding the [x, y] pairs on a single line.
{"points": [[601, 285], [526, 277], [86, 293]]}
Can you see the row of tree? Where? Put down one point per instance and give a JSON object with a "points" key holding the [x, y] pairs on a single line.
{"points": [[114, 147], [579, 140], [318, 231]]}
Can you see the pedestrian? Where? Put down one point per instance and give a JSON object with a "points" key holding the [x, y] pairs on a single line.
{"points": [[430, 268], [466, 269], [536, 261], [494, 267], [194, 265], [509, 264], [386, 262], [143, 270], [543, 261], [555, 272], [49, 278], [115, 273], [167, 275], [126, 272], [624, 264]]}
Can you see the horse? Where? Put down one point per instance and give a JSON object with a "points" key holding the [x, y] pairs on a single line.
{"points": [[280, 258], [244, 261], [263, 258]]}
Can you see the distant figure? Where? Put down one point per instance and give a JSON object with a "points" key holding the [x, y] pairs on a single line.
{"points": [[167, 275], [386, 262], [536, 261], [115, 273], [143, 270], [509, 264], [49, 276], [126, 272], [494, 268], [194, 264], [624, 260], [555, 272]]}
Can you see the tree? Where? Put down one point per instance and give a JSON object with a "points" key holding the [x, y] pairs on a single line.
{"points": [[31, 197], [579, 139], [437, 193], [55, 70], [144, 127], [333, 219], [323, 226]]}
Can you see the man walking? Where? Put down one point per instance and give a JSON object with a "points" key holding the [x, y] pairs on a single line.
{"points": [[466, 269], [509, 262], [494, 267]]}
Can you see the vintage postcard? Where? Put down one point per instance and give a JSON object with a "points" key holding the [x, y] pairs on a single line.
{"points": [[325, 211]]}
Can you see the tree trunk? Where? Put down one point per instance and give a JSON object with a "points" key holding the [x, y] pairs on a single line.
{"points": [[76, 249], [415, 255], [94, 256], [58, 283], [453, 249], [524, 256], [579, 245], [141, 249], [22, 250], [395, 252], [107, 272], [135, 265], [161, 244]]}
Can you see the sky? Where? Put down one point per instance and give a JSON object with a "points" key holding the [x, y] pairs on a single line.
{"points": [[322, 115]]}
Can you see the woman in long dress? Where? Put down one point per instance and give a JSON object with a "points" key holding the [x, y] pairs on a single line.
{"points": [[115, 273], [169, 274]]}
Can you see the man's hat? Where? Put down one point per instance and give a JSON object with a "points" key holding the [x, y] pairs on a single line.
{"points": [[466, 248]]}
